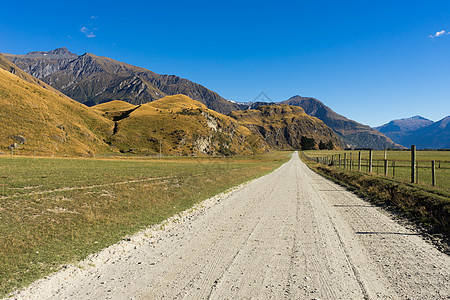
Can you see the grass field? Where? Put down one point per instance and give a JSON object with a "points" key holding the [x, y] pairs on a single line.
{"points": [[401, 161], [57, 211]]}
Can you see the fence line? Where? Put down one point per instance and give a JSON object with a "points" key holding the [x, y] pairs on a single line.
{"points": [[386, 167]]}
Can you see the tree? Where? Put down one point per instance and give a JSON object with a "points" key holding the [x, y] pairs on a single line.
{"points": [[323, 146], [307, 143], [330, 145]]}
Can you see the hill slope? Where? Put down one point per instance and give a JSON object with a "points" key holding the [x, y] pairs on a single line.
{"points": [[283, 126], [418, 131], [7, 65], [92, 79], [353, 133], [37, 119], [180, 126]]}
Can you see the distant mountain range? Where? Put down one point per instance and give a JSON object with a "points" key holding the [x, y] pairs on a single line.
{"points": [[36, 118], [419, 131], [92, 80]]}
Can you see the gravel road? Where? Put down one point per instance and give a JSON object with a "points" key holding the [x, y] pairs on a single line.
{"points": [[288, 235]]}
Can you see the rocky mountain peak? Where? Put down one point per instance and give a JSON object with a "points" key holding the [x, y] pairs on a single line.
{"points": [[59, 53], [417, 117]]}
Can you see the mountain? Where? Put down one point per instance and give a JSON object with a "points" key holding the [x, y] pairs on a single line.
{"points": [[397, 130], [283, 126], [433, 136], [423, 133], [180, 126], [5, 64], [34, 119], [353, 133], [92, 80]]}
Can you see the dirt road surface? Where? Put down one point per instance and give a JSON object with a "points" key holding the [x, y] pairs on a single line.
{"points": [[288, 235]]}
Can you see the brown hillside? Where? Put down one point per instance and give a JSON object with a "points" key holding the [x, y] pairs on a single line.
{"points": [[116, 105], [5, 64], [181, 126], [39, 120], [282, 126]]}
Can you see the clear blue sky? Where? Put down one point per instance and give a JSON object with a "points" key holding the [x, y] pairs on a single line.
{"points": [[372, 61]]}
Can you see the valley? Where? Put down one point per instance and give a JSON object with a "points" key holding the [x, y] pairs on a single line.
{"points": [[290, 234], [98, 156]]}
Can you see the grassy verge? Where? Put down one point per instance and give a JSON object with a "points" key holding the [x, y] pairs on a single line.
{"points": [[58, 211], [399, 165], [424, 206]]}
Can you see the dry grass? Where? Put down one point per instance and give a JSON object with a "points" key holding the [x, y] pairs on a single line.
{"points": [[180, 126], [42, 229], [115, 105], [50, 123]]}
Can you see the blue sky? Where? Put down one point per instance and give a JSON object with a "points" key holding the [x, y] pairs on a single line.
{"points": [[372, 61]]}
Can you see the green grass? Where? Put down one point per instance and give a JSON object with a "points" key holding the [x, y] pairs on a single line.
{"points": [[42, 229], [401, 159]]}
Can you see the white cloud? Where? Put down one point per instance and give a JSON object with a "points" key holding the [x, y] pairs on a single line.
{"points": [[94, 17], [89, 34], [439, 34]]}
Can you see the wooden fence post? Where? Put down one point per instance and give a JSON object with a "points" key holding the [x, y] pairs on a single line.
{"points": [[433, 173], [385, 167], [413, 163], [351, 161], [345, 160], [359, 161], [393, 169], [370, 160], [339, 164]]}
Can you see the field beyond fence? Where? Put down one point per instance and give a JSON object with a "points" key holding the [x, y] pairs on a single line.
{"points": [[431, 168]]}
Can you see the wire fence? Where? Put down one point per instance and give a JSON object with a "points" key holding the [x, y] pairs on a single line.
{"points": [[428, 172]]}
